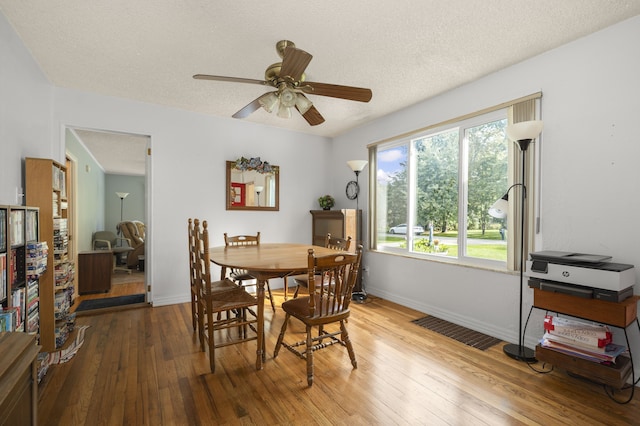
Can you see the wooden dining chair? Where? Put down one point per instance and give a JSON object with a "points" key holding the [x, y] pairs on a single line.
{"points": [[326, 305], [215, 298], [240, 276], [222, 285], [342, 244]]}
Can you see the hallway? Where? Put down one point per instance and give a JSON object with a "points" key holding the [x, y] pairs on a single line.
{"points": [[122, 284]]}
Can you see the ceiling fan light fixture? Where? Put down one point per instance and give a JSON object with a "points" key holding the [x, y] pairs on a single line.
{"points": [[284, 111], [268, 101], [288, 97], [289, 79], [303, 104]]}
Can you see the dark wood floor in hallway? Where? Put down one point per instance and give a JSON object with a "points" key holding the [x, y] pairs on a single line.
{"points": [[122, 284]]}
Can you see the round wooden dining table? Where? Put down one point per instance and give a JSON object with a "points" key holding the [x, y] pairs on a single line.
{"points": [[266, 261]]}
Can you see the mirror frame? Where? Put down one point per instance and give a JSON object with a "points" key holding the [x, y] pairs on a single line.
{"points": [[230, 165]]}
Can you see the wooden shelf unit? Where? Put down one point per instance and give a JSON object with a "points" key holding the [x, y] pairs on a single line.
{"points": [[19, 240], [340, 224], [46, 182], [616, 314]]}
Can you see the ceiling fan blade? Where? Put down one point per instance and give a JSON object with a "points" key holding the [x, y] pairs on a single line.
{"points": [[335, 91], [313, 116], [294, 63], [230, 79], [248, 110]]}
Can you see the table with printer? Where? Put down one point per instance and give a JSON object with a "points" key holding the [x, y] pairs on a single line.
{"points": [[587, 287]]}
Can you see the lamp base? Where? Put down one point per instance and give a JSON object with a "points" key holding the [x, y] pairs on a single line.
{"points": [[519, 353], [359, 297]]}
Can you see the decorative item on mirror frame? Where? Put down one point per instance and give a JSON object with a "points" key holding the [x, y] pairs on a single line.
{"points": [[326, 202], [254, 163]]}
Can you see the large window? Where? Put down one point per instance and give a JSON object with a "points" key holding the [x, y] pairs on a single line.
{"points": [[434, 189]]}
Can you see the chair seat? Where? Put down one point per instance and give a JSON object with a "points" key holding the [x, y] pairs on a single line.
{"points": [[234, 298], [223, 285], [299, 308], [301, 279]]}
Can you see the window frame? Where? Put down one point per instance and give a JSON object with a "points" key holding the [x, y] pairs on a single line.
{"points": [[461, 125]]}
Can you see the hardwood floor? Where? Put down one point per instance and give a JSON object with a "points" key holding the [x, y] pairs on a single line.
{"points": [[144, 367], [122, 284]]}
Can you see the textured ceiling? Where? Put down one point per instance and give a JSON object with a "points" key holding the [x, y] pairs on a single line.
{"points": [[117, 153], [405, 51]]}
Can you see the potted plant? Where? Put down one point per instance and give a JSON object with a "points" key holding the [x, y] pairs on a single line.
{"points": [[326, 202]]}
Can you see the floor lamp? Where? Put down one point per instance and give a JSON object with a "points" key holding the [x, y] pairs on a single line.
{"points": [[353, 191], [122, 196], [523, 134], [259, 189]]}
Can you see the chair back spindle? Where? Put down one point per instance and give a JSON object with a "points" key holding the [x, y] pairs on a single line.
{"points": [[333, 292]]}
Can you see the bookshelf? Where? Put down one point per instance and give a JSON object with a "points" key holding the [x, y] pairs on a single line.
{"points": [[21, 264], [4, 244], [46, 183]]}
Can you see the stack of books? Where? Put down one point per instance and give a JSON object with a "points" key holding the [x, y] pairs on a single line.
{"points": [[592, 342]]}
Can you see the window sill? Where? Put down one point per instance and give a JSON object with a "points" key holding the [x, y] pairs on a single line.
{"points": [[486, 265]]}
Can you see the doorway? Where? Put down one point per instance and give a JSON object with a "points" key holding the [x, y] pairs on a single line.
{"points": [[106, 165]]}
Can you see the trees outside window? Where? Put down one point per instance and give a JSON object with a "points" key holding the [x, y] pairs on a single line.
{"points": [[445, 180]]}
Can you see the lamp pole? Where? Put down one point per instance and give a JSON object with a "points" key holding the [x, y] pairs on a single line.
{"points": [[357, 172], [519, 351], [359, 296], [523, 133], [122, 196]]}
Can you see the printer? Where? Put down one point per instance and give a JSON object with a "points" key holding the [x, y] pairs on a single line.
{"points": [[580, 274]]}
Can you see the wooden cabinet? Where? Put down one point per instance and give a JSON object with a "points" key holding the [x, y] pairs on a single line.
{"points": [[18, 379], [46, 183], [94, 271], [341, 224]]}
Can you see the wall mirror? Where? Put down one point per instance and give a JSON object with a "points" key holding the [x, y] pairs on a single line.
{"points": [[252, 185]]}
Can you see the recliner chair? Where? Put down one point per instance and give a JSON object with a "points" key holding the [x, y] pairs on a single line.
{"points": [[134, 231]]}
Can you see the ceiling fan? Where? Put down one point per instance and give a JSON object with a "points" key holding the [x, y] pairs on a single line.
{"points": [[289, 80]]}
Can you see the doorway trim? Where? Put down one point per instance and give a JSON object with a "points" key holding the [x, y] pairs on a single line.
{"points": [[148, 270]]}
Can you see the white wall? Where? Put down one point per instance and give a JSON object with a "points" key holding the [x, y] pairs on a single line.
{"points": [[589, 192], [187, 177], [25, 113], [133, 206]]}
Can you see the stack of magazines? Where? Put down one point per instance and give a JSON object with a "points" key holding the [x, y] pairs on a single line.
{"points": [[592, 342]]}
